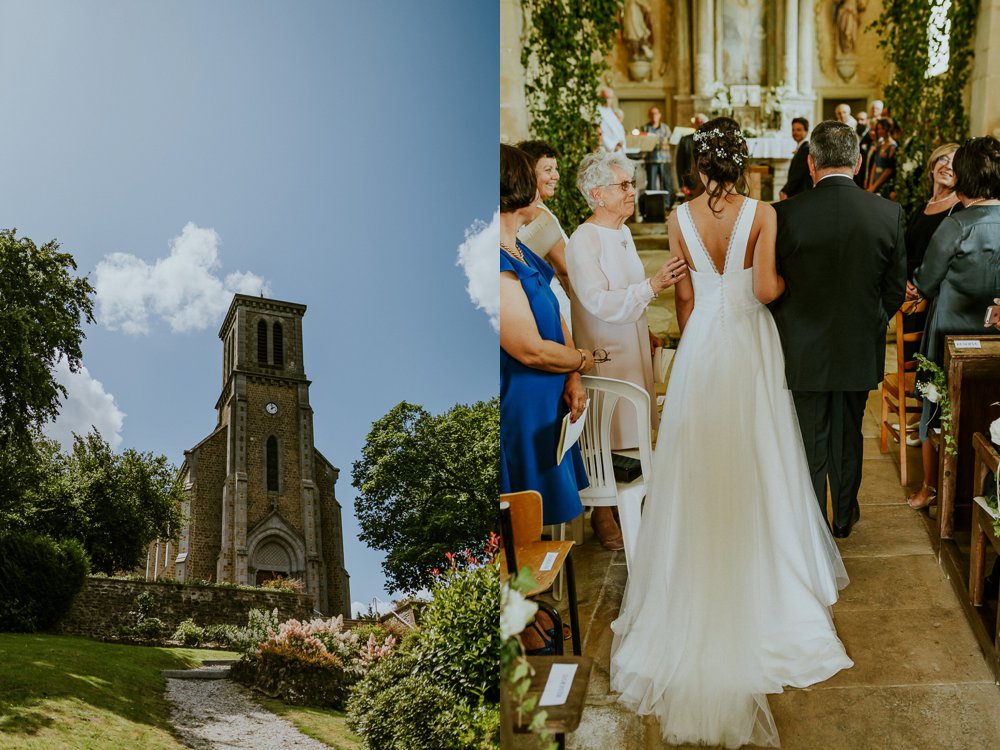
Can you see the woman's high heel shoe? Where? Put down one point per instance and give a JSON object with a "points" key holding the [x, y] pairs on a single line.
{"points": [[929, 499]]}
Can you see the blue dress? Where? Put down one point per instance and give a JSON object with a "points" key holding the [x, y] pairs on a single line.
{"points": [[532, 408]]}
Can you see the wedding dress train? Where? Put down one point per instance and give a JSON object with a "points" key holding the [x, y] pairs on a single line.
{"points": [[735, 569]]}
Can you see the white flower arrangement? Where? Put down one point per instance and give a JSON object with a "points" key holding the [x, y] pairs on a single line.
{"points": [[515, 612], [929, 391], [995, 431], [908, 166]]}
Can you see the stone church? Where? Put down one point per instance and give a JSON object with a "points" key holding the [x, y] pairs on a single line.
{"points": [[260, 499]]}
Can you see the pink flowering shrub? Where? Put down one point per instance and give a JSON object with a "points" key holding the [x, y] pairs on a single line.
{"points": [[313, 663]]}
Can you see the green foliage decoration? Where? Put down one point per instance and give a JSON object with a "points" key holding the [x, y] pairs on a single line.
{"points": [[931, 111], [39, 578], [565, 45]]}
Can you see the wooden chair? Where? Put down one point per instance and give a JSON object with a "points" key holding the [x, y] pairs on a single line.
{"points": [[987, 461], [897, 387], [531, 550], [595, 444]]}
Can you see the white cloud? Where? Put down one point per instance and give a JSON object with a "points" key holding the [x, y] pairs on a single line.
{"points": [[182, 288], [478, 256], [86, 406]]}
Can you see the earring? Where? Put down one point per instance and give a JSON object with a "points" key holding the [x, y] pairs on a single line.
{"points": [[600, 203]]}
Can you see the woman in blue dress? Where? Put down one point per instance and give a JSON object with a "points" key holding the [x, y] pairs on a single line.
{"points": [[539, 366]]}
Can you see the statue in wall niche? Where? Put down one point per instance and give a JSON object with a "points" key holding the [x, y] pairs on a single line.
{"points": [[846, 16], [637, 31]]}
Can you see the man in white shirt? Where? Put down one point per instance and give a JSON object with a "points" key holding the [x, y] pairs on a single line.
{"points": [[612, 130], [843, 114]]}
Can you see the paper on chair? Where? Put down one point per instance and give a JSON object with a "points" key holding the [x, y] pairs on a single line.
{"points": [[570, 433], [557, 687], [548, 561]]}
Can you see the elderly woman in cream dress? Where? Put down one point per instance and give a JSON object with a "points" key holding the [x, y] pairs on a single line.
{"points": [[609, 293]]}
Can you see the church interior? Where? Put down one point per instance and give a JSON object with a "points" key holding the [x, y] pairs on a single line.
{"points": [[924, 636]]}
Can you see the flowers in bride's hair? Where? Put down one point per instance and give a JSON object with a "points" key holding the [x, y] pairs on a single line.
{"points": [[515, 612]]}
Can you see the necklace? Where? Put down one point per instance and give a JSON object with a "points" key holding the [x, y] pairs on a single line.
{"points": [[970, 204], [947, 197], [516, 252]]}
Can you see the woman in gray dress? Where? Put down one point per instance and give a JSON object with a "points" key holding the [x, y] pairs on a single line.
{"points": [[960, 274]]}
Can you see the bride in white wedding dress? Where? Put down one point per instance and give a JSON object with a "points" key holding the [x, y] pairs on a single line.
{"points": [[735, 569]]}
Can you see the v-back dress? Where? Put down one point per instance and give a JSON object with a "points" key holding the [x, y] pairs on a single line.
{"points": [[735, 568]]}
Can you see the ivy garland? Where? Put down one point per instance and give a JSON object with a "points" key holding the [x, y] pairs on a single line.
{"points": [[929, 110], [564, 51]]}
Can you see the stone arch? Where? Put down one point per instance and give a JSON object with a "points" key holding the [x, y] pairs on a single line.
{"points": [[273, 547]]}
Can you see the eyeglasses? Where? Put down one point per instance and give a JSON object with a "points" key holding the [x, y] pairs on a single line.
{"points": [[624, 185], [945, 159], [601, 356]]}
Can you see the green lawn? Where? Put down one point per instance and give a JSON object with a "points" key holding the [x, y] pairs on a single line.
{"points": [[64, 692], [327, 726]]}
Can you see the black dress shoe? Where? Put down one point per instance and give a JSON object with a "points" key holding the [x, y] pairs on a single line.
{"points": [[842, 532]]}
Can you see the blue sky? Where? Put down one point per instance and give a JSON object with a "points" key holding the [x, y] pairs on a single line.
{"points": [[335, 154]]}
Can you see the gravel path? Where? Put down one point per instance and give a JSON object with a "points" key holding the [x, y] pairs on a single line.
{"points": [[219, 714]]}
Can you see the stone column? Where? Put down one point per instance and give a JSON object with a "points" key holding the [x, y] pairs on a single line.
{"points": [[704, 54], [983, 104], [806, 44], [682, 47], [790, 67]]}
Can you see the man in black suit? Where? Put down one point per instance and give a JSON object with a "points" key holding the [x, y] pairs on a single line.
{"points": [[685, 158], [798, 171], [841, 252]]}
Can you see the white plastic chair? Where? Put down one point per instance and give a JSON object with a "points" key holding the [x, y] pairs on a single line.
{"points": [[595, 444]]}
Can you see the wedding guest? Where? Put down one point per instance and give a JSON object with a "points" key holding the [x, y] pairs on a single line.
{"points": [[799, 179], [612, 129], [959, 275], [539, 364], [610, 293], [882, 159], [920, 227], [544, 234], [862, 118], [658, 165], [843, 114], [867, 141]]}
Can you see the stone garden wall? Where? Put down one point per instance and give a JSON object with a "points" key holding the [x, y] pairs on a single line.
{"points": [[104, 604]]}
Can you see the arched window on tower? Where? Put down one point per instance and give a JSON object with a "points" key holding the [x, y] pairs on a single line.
{"points": [[271, 464], [278, 344], [262, 342]]}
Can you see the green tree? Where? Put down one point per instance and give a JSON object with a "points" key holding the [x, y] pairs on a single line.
{"points": [[114, 504], [43, 307], [428, 485]]}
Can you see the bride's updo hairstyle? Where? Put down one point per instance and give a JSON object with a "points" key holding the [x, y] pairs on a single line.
{"points": [[721, 154]]}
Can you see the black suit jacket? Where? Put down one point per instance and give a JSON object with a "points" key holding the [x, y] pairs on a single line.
{"points": [[843, 257], [865, 144], [683, 160], [798, 172]]}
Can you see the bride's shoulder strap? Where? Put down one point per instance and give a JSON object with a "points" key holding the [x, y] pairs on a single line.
{"points": [[696, 248]]}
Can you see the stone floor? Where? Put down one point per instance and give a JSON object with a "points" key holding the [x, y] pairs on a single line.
{"points": [[919, 680]]}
